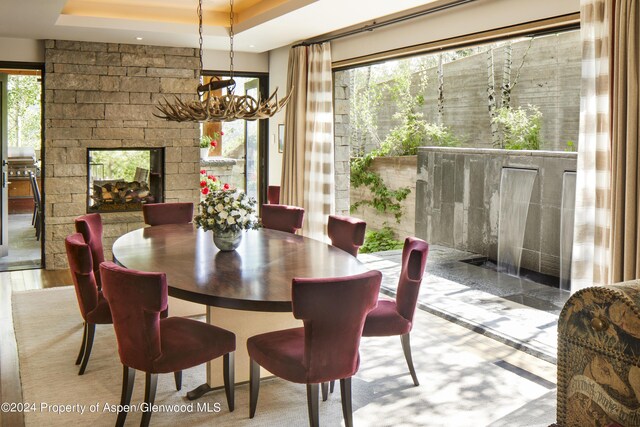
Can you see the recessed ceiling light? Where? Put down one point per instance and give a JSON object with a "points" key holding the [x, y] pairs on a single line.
{"points": [[252, 45], [138, 38]]}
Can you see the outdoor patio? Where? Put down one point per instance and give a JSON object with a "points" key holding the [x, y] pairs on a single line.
{"points": [[514, 311]]}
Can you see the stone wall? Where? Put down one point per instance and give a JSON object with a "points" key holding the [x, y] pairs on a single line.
{"points": [[342, 143], [230, 171], [396, 172], [102, 95], [458, 201]]}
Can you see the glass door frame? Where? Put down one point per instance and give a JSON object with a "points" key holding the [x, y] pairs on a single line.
{"points": [[263, 126], [17, 65]]}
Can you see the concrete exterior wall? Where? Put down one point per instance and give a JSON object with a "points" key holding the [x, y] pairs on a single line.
{"points": [[103, 95], [396, 172], [549, 79], [458, 201]]}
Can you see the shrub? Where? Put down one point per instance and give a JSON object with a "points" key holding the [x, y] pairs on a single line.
{"points": [[378, 241], [404, 140], [520, 127]]}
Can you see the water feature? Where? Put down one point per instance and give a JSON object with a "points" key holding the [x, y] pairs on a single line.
{"points": [[566, 227], [516, 186]]}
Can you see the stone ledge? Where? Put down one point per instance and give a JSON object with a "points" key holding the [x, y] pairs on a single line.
{"points": [[501, 152], [218, 161]]}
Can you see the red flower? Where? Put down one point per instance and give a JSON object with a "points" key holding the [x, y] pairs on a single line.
{"points": [[205, 190], [203, 184], [221, 133], [225, 187], [203, 172], [213, 178], [214, 143]]}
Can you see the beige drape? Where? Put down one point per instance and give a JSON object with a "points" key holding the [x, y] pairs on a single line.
{"points": [[591, 252], [308, 160], [625, 116], [292, 182]]}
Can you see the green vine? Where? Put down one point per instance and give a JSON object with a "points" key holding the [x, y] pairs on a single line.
{"points": [[410, 132], [383, 199], [403, 140]]}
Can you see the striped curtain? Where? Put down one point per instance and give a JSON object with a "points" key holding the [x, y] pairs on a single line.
{"points": [[591, 246], [308, 161]]}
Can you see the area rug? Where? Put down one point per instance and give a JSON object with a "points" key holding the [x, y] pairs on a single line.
{"points": [[461, 383]]}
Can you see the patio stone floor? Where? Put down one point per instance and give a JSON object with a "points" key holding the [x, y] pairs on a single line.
{"points": [[516, 312]]}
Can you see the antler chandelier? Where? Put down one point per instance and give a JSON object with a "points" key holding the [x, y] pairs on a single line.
{"points": [[211, 107]]}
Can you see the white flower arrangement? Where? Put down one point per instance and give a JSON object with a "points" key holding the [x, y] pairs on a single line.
{"points": [[227, 210]]}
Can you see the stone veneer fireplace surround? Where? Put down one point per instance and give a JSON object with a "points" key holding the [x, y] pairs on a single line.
{"points": [[103, 95]]}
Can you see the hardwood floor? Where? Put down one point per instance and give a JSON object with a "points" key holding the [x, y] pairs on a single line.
{"points": [[13, 281]]}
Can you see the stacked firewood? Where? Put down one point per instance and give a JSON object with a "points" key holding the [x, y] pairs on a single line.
{"points": [[121, 192]]}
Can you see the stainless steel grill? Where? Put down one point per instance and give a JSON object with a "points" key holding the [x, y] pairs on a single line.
{"points": [[21, 161]]}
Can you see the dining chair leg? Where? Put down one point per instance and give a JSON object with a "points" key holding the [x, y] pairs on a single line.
{"points": [[128, 377], [406, 347], [150, 385], [325, 391], [254, 387], [177, 375], [312, 404], [91, 331], [345, 394], [331, 386], [84, 341], [229, 378]]}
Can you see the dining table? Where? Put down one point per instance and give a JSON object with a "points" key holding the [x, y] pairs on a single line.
{"points": [[247, 291]]}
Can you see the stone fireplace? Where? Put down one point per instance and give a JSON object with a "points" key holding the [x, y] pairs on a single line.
{"points": [[103, 96], [124, 179]]}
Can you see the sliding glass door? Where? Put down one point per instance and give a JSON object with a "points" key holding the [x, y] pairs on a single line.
{"points": [[242, 144]]}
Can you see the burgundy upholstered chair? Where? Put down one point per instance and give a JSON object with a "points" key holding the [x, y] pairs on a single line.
{"points": [[167, 213], [346, 233], [326, 348], [282, 217], [396, 317], [90, 226], [273, 194], [93, 307], [154, 345]]}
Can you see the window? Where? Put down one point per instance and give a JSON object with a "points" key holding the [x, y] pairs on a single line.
{"points": [[520, 93], [239, 156]]}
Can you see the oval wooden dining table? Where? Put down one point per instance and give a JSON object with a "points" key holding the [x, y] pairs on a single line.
{"points": [[247, 291]]}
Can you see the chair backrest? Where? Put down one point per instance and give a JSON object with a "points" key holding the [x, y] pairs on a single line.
{"points": [[273, 194], [334, 311], [136, 299], [35, 190], [81, 266], [414, 261], [282, 217], [167, 213], [90, 226], [346, 233]]}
